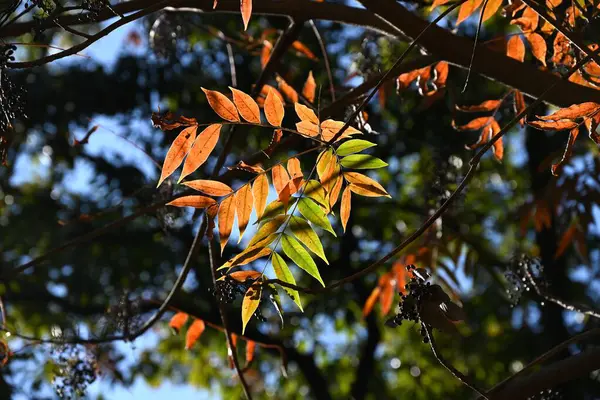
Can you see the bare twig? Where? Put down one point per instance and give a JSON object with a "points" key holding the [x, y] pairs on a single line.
{"points": [[325, 56]]}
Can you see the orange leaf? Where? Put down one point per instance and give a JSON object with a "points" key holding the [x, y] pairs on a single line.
{"points": [[553, 125], [226, 218], [437, 3], [488, 105], [368, 307], [177, 321], [250, 349], [538, 46], [305, 113], [365, 186], [280, 178], [491, 8], [250, 303], [192, 201], [336, 188], [310, 87], [466, 9], [345, 207], [193, 333], [211, 188], [203, 145], [475, 124], [330, 128], [243, 204], [573, 112], [222, 105], [441, 73], [274, 109], [287, 90], [520, 105], [562, 47], [243, 276], [515, 48], [260, 191], [565, 241], [179, 148], [387, 293], [255, 169], [246, 8], [405, 79], [568, 150], [498, 148], [246, 105], [293, 167], [532, 16], [301, 48], [265, 53], [252, 253], [307, 128]]}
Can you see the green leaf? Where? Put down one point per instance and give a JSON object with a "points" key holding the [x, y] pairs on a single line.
{"points": [[307, 236], [283, 273], [353, 146], [315, 214], [250, 303], [362, 161], [315, 191], [276, 301], [276, 208], [267, 228], [294, 250]]}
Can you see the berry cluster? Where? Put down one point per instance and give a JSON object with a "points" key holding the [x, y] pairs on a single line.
{"points": [[76, 369], [523, 273], [227, 289], [547, 394]]}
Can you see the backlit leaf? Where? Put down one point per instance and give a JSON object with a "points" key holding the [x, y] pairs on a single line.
{"points": [[267, 228], [488, 105], [345, 207], [310, 87], [250, 254], [294, 250], [203, 145], [573, 112], [353, 146], [192, 201], [243, 276], [515, 48], [371, 300], [244, 203], [362, 161], [211, 188], [305, 113], [260, 191], [283, 273], [387, 293], [559, 125], [250, 303], [246, 9], [277, 135], [466, 9], [294, 169], [177, 321], [565, 240], [336, 189], [276, 208], [255, 169], [315, 191], [301, 48], [250, 350], [193, 333], [365, 186], [324, 161], [221, 105], [179, 148], [568, 150], [288, 91], [274, 111], [538, 46], [246, 106], [475, 124], [312, 212], [226, 219], [307, 236], [307, 128], [265, 53], [330, 128], [491, 8], [280, 177]]}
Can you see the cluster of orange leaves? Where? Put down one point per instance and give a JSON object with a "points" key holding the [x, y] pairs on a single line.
{"points": [[389, 284]]}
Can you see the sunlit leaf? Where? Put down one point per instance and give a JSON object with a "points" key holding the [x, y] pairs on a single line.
{"points": [[274, 110], [301, 48], [242, 276], [475, 124], [211, 188], [179, 148], [371, 300], [307, 128], [280, 177], [221, 105], [226, 219], [250, 254], [265, 53], [466, 9], [315, 191], [192, 201], [515, 48], [267, 228], [250, 303], [288, 91], [312, 212], [330, 128], [362, 161], [353, 146], [260, 191], [246, 9], [250, 350], [276, 207], [203, 146], [488, 105], [309, 88], [324, 168], [559, 125], [568, 150], [573, 112], [246, 105], [193, 333], [387, 293], [538, 46], [491, 8], [305, 113], [365, 186], [345, 207], [294, 250], [283, 273], [307, 236], [336, 189], [177, 321]]}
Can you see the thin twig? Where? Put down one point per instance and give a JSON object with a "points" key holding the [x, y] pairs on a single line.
{"points": [[325, 55]]}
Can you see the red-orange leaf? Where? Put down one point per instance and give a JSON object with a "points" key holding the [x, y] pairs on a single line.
{"points": [[177, 321], [265, 53], [250, 349], [203, 145], [520, 105], [335, 189], [222, 105], [310, 87], [488, 105], [246, 8], [243, 204], [246, 106], [515, 48], [288, 91], [293, 167], [565, 241], [274, 109], [475, 124], [368, 307], [192, 201], [437, 3], [345, 207], [193, 333], [211, 188], [405, 79], [441, 73], [301, 48], [243, 276], [491, 8], [538, 46], [573, 112], [255, 169], [466, 9], [568, 150], [226, 218], [387, 293], [280, 178], [260, 192], [179, 148], [553, 125]]}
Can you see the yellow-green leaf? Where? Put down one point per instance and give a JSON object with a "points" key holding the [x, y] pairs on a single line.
{"points": [[315, 191], [353, 146], [276, 207], [250, 303], [267, 229], [294, 250], [315, 214], [283, 273], [362, 161], [307, 236], [247, 256]]}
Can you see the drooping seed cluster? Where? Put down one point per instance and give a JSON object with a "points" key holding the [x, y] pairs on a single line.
{"points": [[75, 369], [228, 290], [523, 272]]}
